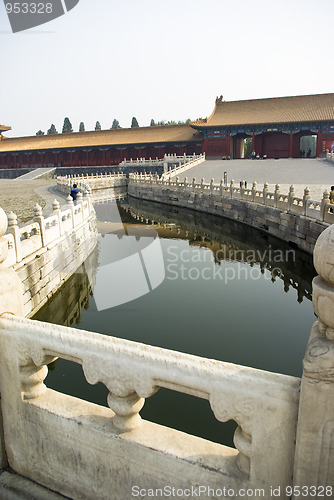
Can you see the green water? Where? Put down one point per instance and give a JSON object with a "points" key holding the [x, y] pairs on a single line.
{"points": [[210, 306]]}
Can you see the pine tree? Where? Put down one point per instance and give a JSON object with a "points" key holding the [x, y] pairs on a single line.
{"points": [[52, 130], [40, 132], [67, 127], [82, 127], [152, 124], [115, 124], [98, 126], [134, 123]]}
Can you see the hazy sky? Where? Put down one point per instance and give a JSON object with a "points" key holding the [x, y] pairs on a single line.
{"points": [[166, 60]]}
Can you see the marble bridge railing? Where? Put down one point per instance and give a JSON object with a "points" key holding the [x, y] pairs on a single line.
{"points": [[181, 164], [315, 209], [44, 231], [89, 183], [265, 406]]}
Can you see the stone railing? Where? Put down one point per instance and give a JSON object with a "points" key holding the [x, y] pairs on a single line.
{"points": [[175, 165], [172, 163], [89, 183], [44, 232], [141, 162], [46, 252], [286, 216], [86, 451], [262, 404], [320, 210]]}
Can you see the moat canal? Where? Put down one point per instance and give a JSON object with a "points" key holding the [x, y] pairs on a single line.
{"points": [[189, 282]]}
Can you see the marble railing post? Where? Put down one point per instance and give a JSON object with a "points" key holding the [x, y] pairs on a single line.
{"points": [[265, 191], [276, 194], [11, 301], [38, 217], [306, 197], [291, 197], [222, 184], [254, 188], [324, 205], [80, 204], [57, 211], [231, 188], [13, 229], [211, 186], [314, 455], [70, 202]]}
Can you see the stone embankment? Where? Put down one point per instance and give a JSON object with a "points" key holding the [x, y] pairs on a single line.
{"points": [[296, 220]]}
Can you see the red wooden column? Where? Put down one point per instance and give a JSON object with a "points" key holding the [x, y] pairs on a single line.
{"points": [[228, 145], [319, 142], [290, 144]]}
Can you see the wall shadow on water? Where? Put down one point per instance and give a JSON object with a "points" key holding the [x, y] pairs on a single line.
{"points": [[171, 320]]}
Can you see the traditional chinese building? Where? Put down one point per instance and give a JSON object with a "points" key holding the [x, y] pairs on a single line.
{"points": [[275, 126]]}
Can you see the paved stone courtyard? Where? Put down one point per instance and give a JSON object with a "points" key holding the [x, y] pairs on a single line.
{"points": [[315, 173]]}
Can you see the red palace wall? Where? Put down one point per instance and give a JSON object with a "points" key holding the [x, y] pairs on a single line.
{"points": [[215, 147], [95, 157], [327, 142]]}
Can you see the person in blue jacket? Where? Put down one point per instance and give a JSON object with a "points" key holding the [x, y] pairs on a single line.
{"points": [[74, 192]]}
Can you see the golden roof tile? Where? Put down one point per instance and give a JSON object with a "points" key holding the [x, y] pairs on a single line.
{"points": [[304, 108], [114, 137]]}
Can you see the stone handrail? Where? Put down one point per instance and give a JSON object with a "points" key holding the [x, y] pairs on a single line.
{"points": [[89, 183], [262, 404], [44, 232], [141, 162], [185, 163], [319, 210]]}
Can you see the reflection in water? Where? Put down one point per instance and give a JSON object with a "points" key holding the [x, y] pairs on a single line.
{"points": [[224, 297]]}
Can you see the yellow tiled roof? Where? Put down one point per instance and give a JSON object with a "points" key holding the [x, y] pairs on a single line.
{"points": [[3, 128], [304, 108], [114, 137]]}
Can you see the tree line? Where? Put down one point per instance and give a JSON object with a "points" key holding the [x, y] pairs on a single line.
{"points": [[67, 126]]}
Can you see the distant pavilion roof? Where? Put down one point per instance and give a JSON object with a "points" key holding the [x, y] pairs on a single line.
{"points": [[295, 109], [114, 137], [3, 128]]}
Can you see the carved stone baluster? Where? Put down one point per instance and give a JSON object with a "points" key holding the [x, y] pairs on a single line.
{"points": [[32, 376], [126, 411], [243, 442]]}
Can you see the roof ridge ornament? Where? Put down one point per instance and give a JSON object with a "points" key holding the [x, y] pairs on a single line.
{"points": [[219, 99]]}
